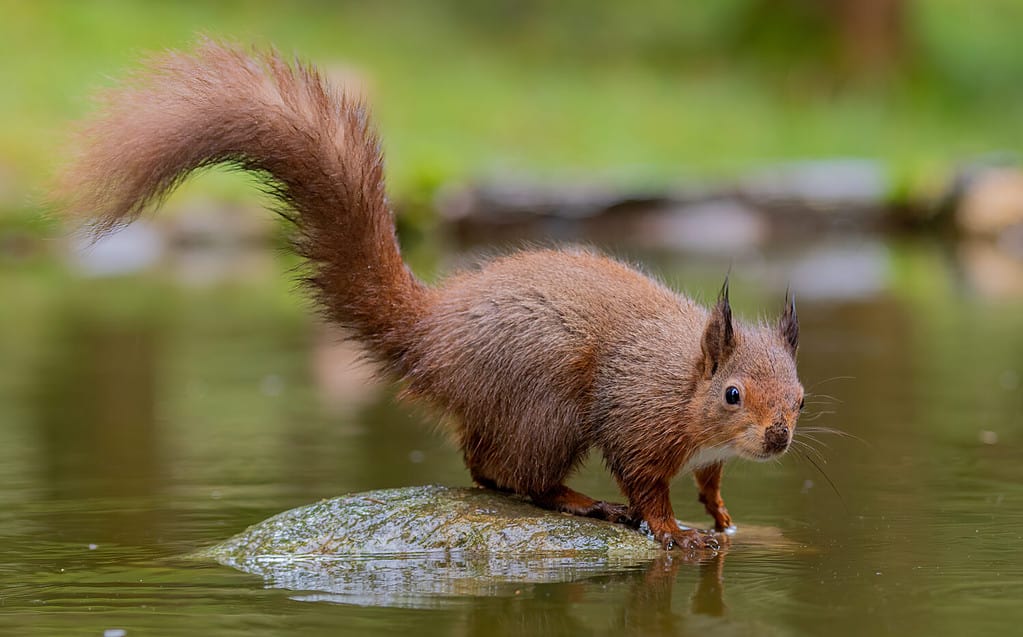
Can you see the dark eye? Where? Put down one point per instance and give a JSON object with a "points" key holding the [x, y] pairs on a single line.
{"points": [[732, 395]]}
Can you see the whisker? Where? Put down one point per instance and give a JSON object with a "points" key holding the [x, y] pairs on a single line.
{"points": [[803, 445], [832, 379], [810, 446], [828, 430], [816, 416], [828, 396], [811, 438], [829, 481]]}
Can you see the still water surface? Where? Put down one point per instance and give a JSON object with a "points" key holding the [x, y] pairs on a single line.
{"points": [[143, 418]]}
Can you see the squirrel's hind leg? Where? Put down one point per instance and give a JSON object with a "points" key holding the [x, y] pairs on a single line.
{"points": [[566, 500]]}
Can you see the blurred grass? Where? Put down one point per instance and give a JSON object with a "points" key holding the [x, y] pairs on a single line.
{"points": [[551, 90]]}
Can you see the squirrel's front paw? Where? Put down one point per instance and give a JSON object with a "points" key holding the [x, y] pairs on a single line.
{"points": [[690, 540], [722, 521], [716, 508]]}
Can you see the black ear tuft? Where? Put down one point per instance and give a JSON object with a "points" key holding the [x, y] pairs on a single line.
{"points": [[719, 335], [788, 325]]}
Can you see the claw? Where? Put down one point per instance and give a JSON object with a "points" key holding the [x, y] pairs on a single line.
{"points": [[691, 540]]}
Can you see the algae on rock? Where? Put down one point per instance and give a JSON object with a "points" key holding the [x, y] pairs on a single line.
{"points": [[418, 546], [429, 519]]}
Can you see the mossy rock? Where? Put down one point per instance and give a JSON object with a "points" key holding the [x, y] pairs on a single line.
{"points": [[429, 519], [417, 545]]}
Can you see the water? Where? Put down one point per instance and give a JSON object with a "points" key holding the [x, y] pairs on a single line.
{"points": [[146, 417]]}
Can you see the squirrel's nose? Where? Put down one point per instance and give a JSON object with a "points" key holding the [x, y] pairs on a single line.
{"points": [[776, 438]]}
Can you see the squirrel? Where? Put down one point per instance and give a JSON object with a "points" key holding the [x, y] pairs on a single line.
{"points": [[536, 357]]}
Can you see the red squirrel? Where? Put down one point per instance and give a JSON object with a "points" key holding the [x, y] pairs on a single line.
{"points": [[536, 357]]}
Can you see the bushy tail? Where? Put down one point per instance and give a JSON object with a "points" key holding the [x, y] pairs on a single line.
{"points": [[316, 148]]}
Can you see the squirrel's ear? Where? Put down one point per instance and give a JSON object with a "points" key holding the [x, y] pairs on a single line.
{"points": [[788, 325], [718, 336]]}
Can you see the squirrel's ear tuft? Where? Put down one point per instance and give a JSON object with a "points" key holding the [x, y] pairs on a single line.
{"points": [[718, 336], [788, 325]]}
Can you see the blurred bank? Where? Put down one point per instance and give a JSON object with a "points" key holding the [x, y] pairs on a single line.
{"points": [[657, 96]]}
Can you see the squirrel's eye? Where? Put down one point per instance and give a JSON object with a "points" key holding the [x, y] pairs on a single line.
{"points": [[732, 395]]}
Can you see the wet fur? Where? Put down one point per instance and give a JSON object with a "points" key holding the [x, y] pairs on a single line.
{"points": [[537, 357]]}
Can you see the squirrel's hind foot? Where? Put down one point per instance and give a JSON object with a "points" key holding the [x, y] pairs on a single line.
{"points": [[566, 500]]}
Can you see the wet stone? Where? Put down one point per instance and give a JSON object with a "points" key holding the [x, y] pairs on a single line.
{"points": [[428, 519], [420, 546]]}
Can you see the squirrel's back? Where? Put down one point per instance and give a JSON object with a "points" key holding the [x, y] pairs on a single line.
{"points": [[516, 350]]}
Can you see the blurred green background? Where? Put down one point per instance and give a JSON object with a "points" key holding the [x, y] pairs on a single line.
{"points": [[639, 94], [164, 389]]}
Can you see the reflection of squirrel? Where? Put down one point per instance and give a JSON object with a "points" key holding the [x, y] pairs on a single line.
{"points": [[538, 356]]}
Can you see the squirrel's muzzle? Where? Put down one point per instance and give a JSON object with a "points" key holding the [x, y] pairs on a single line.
{"points": [[776, 438]]}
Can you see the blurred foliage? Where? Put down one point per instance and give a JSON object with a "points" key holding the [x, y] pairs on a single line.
{"points": [[559, 89]]}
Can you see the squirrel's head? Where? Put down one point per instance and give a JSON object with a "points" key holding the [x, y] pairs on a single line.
{"points": [[747, 385]]}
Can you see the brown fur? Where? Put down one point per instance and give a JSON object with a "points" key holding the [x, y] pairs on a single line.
{"points": [[538, 356]]}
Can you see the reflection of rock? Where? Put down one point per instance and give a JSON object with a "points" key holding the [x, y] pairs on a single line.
{"points": [[992, 202], [424, 580], [990, 271]]}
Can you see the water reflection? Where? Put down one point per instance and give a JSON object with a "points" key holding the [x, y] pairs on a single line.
{"points": [[98, 436], [529, 596], [992, 271], [640, 602], [150, 420]]}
